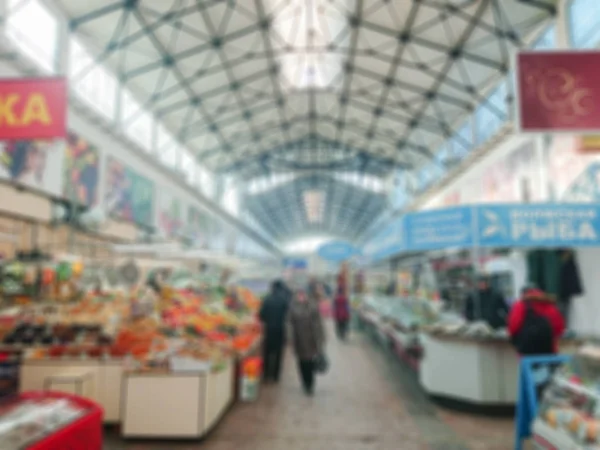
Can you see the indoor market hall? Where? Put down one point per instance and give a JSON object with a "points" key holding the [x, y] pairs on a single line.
{"points": [[299, 224]]}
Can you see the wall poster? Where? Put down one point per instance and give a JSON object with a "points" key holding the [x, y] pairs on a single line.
{"points": [[37, 164], [199, 227], [129, 196], [170, 215], [82, 171]]}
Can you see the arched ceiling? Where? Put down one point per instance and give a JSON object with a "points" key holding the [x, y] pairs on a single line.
{"points": [[256, 87]]}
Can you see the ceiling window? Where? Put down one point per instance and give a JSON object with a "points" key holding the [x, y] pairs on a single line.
{"points": [[231, 197], [492, 114], [137, 123], [206, 182], [91, 81], [314, 205], [584, 23], [34, 31], [547, 40], [263, 184], [363, 181], [188, 166], [305, 245], [167, 148], [308, 29]]}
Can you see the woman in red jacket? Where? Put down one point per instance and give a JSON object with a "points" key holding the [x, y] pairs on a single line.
{"points": [[535, 323]]}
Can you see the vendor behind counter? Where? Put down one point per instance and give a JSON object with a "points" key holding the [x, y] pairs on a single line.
{"points": [[486, 304]]}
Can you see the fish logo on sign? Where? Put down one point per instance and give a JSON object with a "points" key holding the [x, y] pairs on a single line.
{"points": [[494, 226]]}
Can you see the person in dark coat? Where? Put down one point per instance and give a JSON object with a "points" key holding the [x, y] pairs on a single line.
{"points": [[273, 313], [308, 337], [486, 304]]}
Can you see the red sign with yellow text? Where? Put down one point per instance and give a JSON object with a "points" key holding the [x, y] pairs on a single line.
{"points": [[33, 108], [559, 91]]}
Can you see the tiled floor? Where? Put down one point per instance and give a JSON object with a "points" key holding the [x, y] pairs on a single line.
{"points": [[365, 402]]}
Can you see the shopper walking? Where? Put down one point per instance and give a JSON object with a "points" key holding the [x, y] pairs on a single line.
{"points": [[487, 304], [341, 313], [535, 323], [308, 337], [273, 313]]}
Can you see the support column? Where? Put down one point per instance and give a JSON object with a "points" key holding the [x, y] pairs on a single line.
{"points": [[562, 25]]}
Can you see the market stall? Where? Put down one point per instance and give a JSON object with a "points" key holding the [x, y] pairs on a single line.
{"points": [[513, 245], [119, 346]]}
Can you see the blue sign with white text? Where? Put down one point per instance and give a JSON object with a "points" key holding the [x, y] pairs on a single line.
{"points": [[337, 251], [547, 225], [442, 228], [295, 263], [388, 242]]}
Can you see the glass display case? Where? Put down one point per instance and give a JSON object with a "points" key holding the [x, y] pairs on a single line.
{"points": [[569, 412]]}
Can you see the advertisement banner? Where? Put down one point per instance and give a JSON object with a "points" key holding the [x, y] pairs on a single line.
{"points": [[33, 108], [129, 196], [82, 171], [551, 225], [443, 228], [170, 215], [35, 164], [558, 91]]}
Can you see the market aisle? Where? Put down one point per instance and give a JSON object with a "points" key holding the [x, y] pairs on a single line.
{"points": [[363, 403]]}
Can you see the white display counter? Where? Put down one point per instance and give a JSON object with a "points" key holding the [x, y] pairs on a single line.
{"points": [[477, 371], [175, 405], [101, 380]]}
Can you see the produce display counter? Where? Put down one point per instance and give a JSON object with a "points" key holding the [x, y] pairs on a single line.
{"points": [[175, 405], [482, 371]]}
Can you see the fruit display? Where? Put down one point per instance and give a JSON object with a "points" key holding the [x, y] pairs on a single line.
{"points": [[570, 407], [139, 327]]}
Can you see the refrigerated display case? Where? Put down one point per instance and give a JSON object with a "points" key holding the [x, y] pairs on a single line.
{"points": [[569, 413], [48, 421]]}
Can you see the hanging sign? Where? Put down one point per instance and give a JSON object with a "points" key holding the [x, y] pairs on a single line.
{"points": [[33, 108], [442, 228], [550, 225], [554, 225], [558, 91], [337, 251], [388, 242]]}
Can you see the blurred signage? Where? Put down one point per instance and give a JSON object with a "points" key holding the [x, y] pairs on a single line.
{"points": [[295, 263], [337, 251], [33, 108], [549, 225], [539, 226], [558, 91], [442, 228]]}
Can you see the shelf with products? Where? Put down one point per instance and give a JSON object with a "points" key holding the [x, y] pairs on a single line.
{"points": [[569, 412]]}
